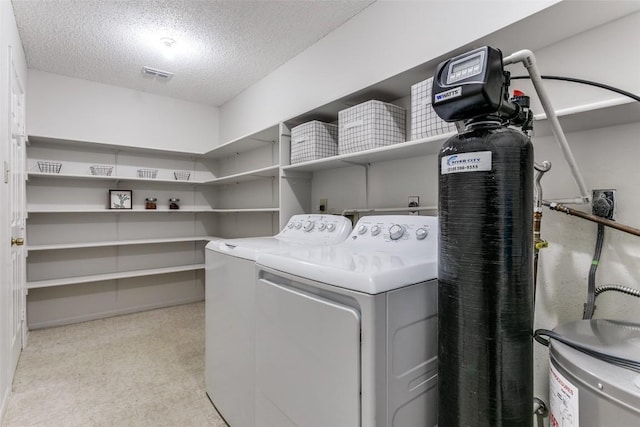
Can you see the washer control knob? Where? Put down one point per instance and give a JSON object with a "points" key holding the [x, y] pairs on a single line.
{"points": [[396, 231], [421, 233], [298, 225], [308, 226], [290, 225], [331, 227], [322, 226], [375, 230], [362, 229]]}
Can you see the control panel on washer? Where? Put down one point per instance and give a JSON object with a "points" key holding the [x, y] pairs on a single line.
{"points": [[317, 226], [385, 230]]}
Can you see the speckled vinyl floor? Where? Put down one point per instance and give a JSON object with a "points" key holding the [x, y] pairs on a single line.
{"points": [[143, 369]]}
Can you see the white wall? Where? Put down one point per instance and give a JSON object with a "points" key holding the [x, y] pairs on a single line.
{"points": [[385, 39], [607, 158], [69, 108], [8, 37]]}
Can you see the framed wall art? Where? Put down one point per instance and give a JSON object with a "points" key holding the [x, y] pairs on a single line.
{"points": [[120, 199]]}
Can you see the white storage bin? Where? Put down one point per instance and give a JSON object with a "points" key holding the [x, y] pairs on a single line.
{"points": [[313, 140], [371, 124], [424, 120]]}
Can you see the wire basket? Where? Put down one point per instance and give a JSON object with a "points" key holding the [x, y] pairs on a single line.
{"points": [[102, 170], [49, 167], [147, 173], [181, 175]]}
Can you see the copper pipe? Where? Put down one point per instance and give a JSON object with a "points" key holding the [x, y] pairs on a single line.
{"points": [[593, 218]]}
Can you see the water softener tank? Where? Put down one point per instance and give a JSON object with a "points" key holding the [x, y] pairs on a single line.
{"points": [[485, 301], [485, 279]]}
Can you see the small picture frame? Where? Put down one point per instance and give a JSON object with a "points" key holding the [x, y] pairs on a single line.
{"points": [[120, 199]]}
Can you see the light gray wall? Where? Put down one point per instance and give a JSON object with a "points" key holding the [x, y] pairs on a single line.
{"points": [[385, 39], [8, 38], [70, 108]]}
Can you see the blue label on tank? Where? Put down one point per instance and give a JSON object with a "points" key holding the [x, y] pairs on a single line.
{"points": [[466, 162]]}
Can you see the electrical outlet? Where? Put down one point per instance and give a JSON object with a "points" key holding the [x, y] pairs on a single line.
{"points": [[414, 202], [603, 203], [323, 205]]}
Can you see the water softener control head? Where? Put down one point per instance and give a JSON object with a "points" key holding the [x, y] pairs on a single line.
{"points": [[471, 85]]}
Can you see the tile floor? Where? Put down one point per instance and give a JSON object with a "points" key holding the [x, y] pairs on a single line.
{"points": [[143, 369]]}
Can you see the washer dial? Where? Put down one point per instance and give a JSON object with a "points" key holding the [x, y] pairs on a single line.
{"points": [[308, 226], [375, 230], [362, 229], [421, 233], [396, 231]]}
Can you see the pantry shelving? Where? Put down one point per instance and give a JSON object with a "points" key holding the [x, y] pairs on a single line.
{"points": [[111, 276], [62, 246], [137, 257]]}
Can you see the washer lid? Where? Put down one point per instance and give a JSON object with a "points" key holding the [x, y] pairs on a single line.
{"points": [[610, 337], [248, 248], [357, 269]]}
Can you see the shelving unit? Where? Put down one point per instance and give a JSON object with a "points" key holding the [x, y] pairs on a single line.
{"points": [[384, 177], [111, 276], [137, 258]]}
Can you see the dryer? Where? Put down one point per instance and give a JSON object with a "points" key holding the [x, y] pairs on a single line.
{"points": [[346, 334], [230, 303]]}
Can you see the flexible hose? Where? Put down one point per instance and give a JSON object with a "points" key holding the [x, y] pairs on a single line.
{"points": [[590, 306], [615, 360], [586, 82], [617, 288]]}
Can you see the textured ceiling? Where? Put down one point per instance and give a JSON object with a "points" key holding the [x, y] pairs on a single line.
{"points": [[222, 47]]}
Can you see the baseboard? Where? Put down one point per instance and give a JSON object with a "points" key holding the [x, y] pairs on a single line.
{"points": [[111, 313]]}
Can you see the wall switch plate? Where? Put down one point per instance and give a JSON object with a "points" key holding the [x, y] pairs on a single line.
{"points": [[603, 203], [323, 205], [414, 201]]}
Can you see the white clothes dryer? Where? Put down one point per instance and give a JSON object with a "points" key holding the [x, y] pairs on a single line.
{"points": [[346, 335], [230, 304]]}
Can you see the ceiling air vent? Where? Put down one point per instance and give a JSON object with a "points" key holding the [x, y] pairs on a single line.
{"points": [[154, 72]]}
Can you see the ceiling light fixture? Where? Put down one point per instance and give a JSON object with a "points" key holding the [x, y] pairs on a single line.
{"points": [[168, 47]]}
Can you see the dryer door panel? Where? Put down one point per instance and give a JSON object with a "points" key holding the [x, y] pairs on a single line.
{"points": [[307, 359]]}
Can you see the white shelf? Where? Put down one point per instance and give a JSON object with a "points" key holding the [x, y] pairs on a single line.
{"points": [[118, 211], [245, 143], [612, 112], [420, 147], [108, 178], [111, 276], [596, 115], [118, 243], [268, 172], [127, 211], [249, 210]]}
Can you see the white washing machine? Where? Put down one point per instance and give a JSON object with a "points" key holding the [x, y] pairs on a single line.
{"points": [[346, 335], [229, 308]]}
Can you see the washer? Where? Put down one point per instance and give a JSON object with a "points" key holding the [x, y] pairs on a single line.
{"points": [[346, 335], [229, 308]]}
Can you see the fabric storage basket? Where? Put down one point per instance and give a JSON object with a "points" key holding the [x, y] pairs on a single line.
{"points": [[371, 124], [424, 120], [313, 140]]}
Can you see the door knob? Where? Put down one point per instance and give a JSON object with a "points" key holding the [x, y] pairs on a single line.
{"points": [[18, 242]]}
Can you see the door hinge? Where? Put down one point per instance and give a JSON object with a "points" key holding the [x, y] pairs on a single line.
{"points": [[6, 172]]}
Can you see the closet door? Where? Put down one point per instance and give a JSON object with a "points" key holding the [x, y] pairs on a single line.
{"points": [[17, 204]]}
